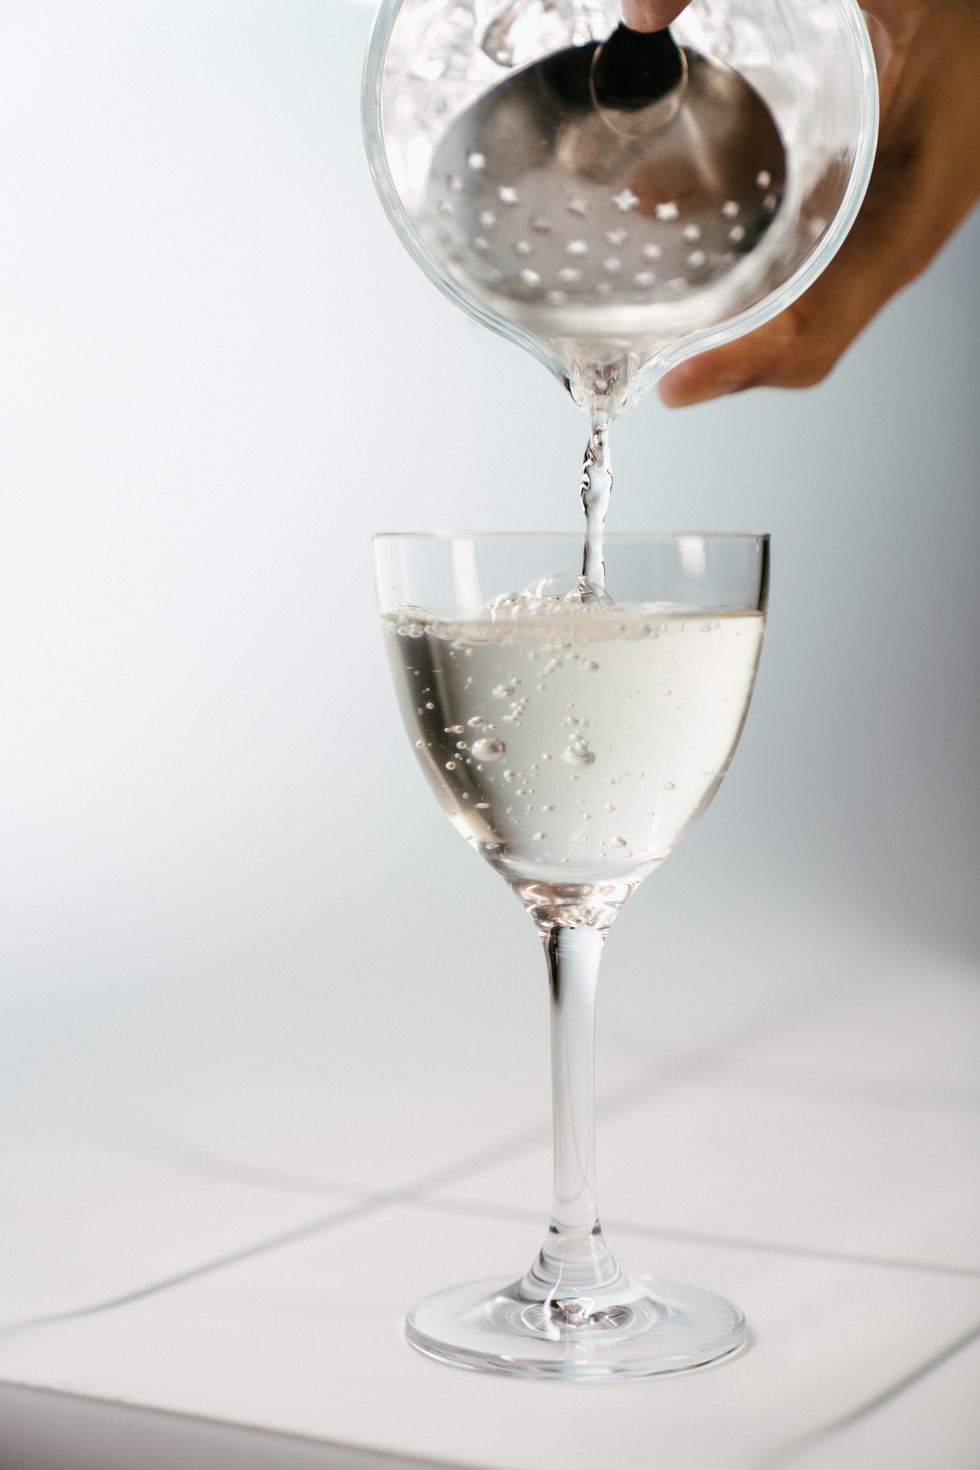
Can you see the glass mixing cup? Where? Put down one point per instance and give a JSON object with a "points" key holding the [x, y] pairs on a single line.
{"points": [[613, 244]]}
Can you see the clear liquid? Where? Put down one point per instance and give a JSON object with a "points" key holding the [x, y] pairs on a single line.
{"points": [[596, 490], [574, 746]]}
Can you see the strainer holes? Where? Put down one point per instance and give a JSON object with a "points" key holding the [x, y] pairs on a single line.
{"points": [[626, 200]]}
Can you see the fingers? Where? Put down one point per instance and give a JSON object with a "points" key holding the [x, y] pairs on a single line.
{"points": [[798, 348], [782, 354], [922, 186], [899, 229], [650, 15]]}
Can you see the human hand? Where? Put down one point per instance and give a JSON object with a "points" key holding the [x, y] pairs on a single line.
{"points": [[926, 180]]}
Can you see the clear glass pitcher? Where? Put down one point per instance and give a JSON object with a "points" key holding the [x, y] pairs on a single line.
{"points": [[809, 61]]}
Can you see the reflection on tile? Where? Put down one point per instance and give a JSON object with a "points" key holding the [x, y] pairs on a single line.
{"points": [[934, 1419], [891, 1183], [309, 1340], [85, 1227]]}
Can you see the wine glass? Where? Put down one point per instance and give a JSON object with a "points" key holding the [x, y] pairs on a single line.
{"points": [[572, 735]]}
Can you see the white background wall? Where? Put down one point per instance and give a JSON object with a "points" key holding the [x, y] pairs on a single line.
{"points": [[219, 374]]}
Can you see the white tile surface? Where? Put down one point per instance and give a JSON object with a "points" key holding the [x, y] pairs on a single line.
{"points": [[891, 1181], [911, 1027], [96, 1222], [309, 1339], [933, 1420]]}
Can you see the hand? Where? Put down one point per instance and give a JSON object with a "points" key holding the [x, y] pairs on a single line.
{"points": [[926, 180]]}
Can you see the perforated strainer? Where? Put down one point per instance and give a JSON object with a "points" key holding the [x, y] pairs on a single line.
{"points": [[620, 201]]}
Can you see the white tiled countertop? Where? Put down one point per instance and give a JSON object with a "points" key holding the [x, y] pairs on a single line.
{"points": [[273, 1052], [817, 1163]]}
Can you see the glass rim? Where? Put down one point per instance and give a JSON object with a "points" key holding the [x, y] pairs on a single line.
{"points": [[574, 536]]}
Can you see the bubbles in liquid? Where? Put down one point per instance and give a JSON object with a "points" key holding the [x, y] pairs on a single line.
{"points": [[570, 588], [559, 592], [476, 721], [578, 752], [503, 691], [488, 749]]}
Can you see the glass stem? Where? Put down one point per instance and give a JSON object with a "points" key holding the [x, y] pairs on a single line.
{"points": [[574, 1261]]}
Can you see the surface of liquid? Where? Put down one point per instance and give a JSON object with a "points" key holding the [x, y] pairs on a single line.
{"points": [[574, 746]]}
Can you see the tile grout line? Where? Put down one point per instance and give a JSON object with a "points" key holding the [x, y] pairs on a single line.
{"points": [[368, 1204], [648, 1083], [773, 1080], [417, 1191], [482, 1210], [784, 1457]]}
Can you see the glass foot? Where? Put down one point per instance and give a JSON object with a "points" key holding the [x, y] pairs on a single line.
{"points": [[639, 1328]]}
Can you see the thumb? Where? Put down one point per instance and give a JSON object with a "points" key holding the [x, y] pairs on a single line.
{"points": [[894, 238]]}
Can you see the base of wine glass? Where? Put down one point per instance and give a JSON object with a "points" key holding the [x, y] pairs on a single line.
{"points": [[645, 1327]]}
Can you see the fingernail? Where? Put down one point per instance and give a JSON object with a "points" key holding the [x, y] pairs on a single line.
{"points": [[638, 16]]}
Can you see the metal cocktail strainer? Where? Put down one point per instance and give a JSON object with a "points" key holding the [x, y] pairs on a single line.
{"points": [[616, 202]]}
